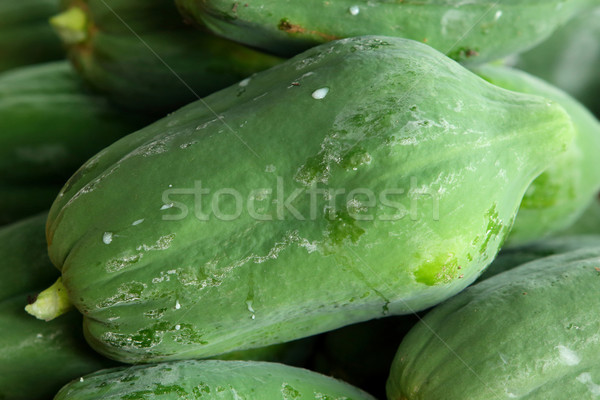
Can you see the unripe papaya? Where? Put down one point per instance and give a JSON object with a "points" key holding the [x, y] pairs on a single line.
{"points": [[50, 124], [25, 34], [515, 256], [37, 358], [470, 31], [365, 177], [144, 57], [227, 380], [24, 262], [560, 194], [528, 333], [569, 59]]}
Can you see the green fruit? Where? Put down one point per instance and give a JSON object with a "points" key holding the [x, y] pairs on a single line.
{"points": [[569, 59], [473, 31], [227, 380], [335, 195], [513, 257], [561, 193], [529, 333], [37, 358], [145, 58], [24, 263], [588, 223], [50, 124], [25, 35]]}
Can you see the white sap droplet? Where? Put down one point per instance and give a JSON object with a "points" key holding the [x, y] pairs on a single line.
{"points": [[166, 206], [354, 10], [497, 15], [245, 82], [177, 327], [39, 336], [249, 304], [567, 356], [170, 185], [253, 316], [177, 305], [139, 221], [81, 379], [320, 93], [107, 237]]}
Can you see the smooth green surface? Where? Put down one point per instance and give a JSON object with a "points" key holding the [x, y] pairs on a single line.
{"points": [[588, 223], [159, 281], [37, 358], [50, 124], [227, 380], [529, 333], [24, 262], [144, 57], [562, 193], [25, 35], [471, 31], [570, 59], [513, 257]]}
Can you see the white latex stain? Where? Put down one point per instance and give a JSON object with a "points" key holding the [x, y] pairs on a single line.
{"points": [[354, 10], [107, 237], [586, 378], [320, 93], [567, 356]]}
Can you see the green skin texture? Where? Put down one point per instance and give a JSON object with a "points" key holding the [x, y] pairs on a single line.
{"points": [[24, 258], [50, 124], [36, 357], [121, 65], [174, 286], [473, 31], [226, 380], [529, 333], [25, 35], [569, 59], [513, 257], [563, 192], [588, 223]]}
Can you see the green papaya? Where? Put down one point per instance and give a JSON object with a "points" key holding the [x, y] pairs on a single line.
{"points": [[569, 59], [209, 379], [51, 124], [335, 195], [528, 333], [560, 194], [24, 262], [37, 358], [144, 57], [515, 256], [25, 35], [588, 223], [470, 31]]}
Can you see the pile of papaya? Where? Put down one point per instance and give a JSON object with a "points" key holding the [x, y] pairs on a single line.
{"points": [[287, 200]]}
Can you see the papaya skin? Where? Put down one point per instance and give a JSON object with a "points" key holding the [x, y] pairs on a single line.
{"points": [[228, 380], [155, 284], [562, 193], [530, 333], [143, 57], [472, 32]]}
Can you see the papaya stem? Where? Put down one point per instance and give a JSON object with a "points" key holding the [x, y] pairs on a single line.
{"points": [[71, 25], [50, 303]]}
